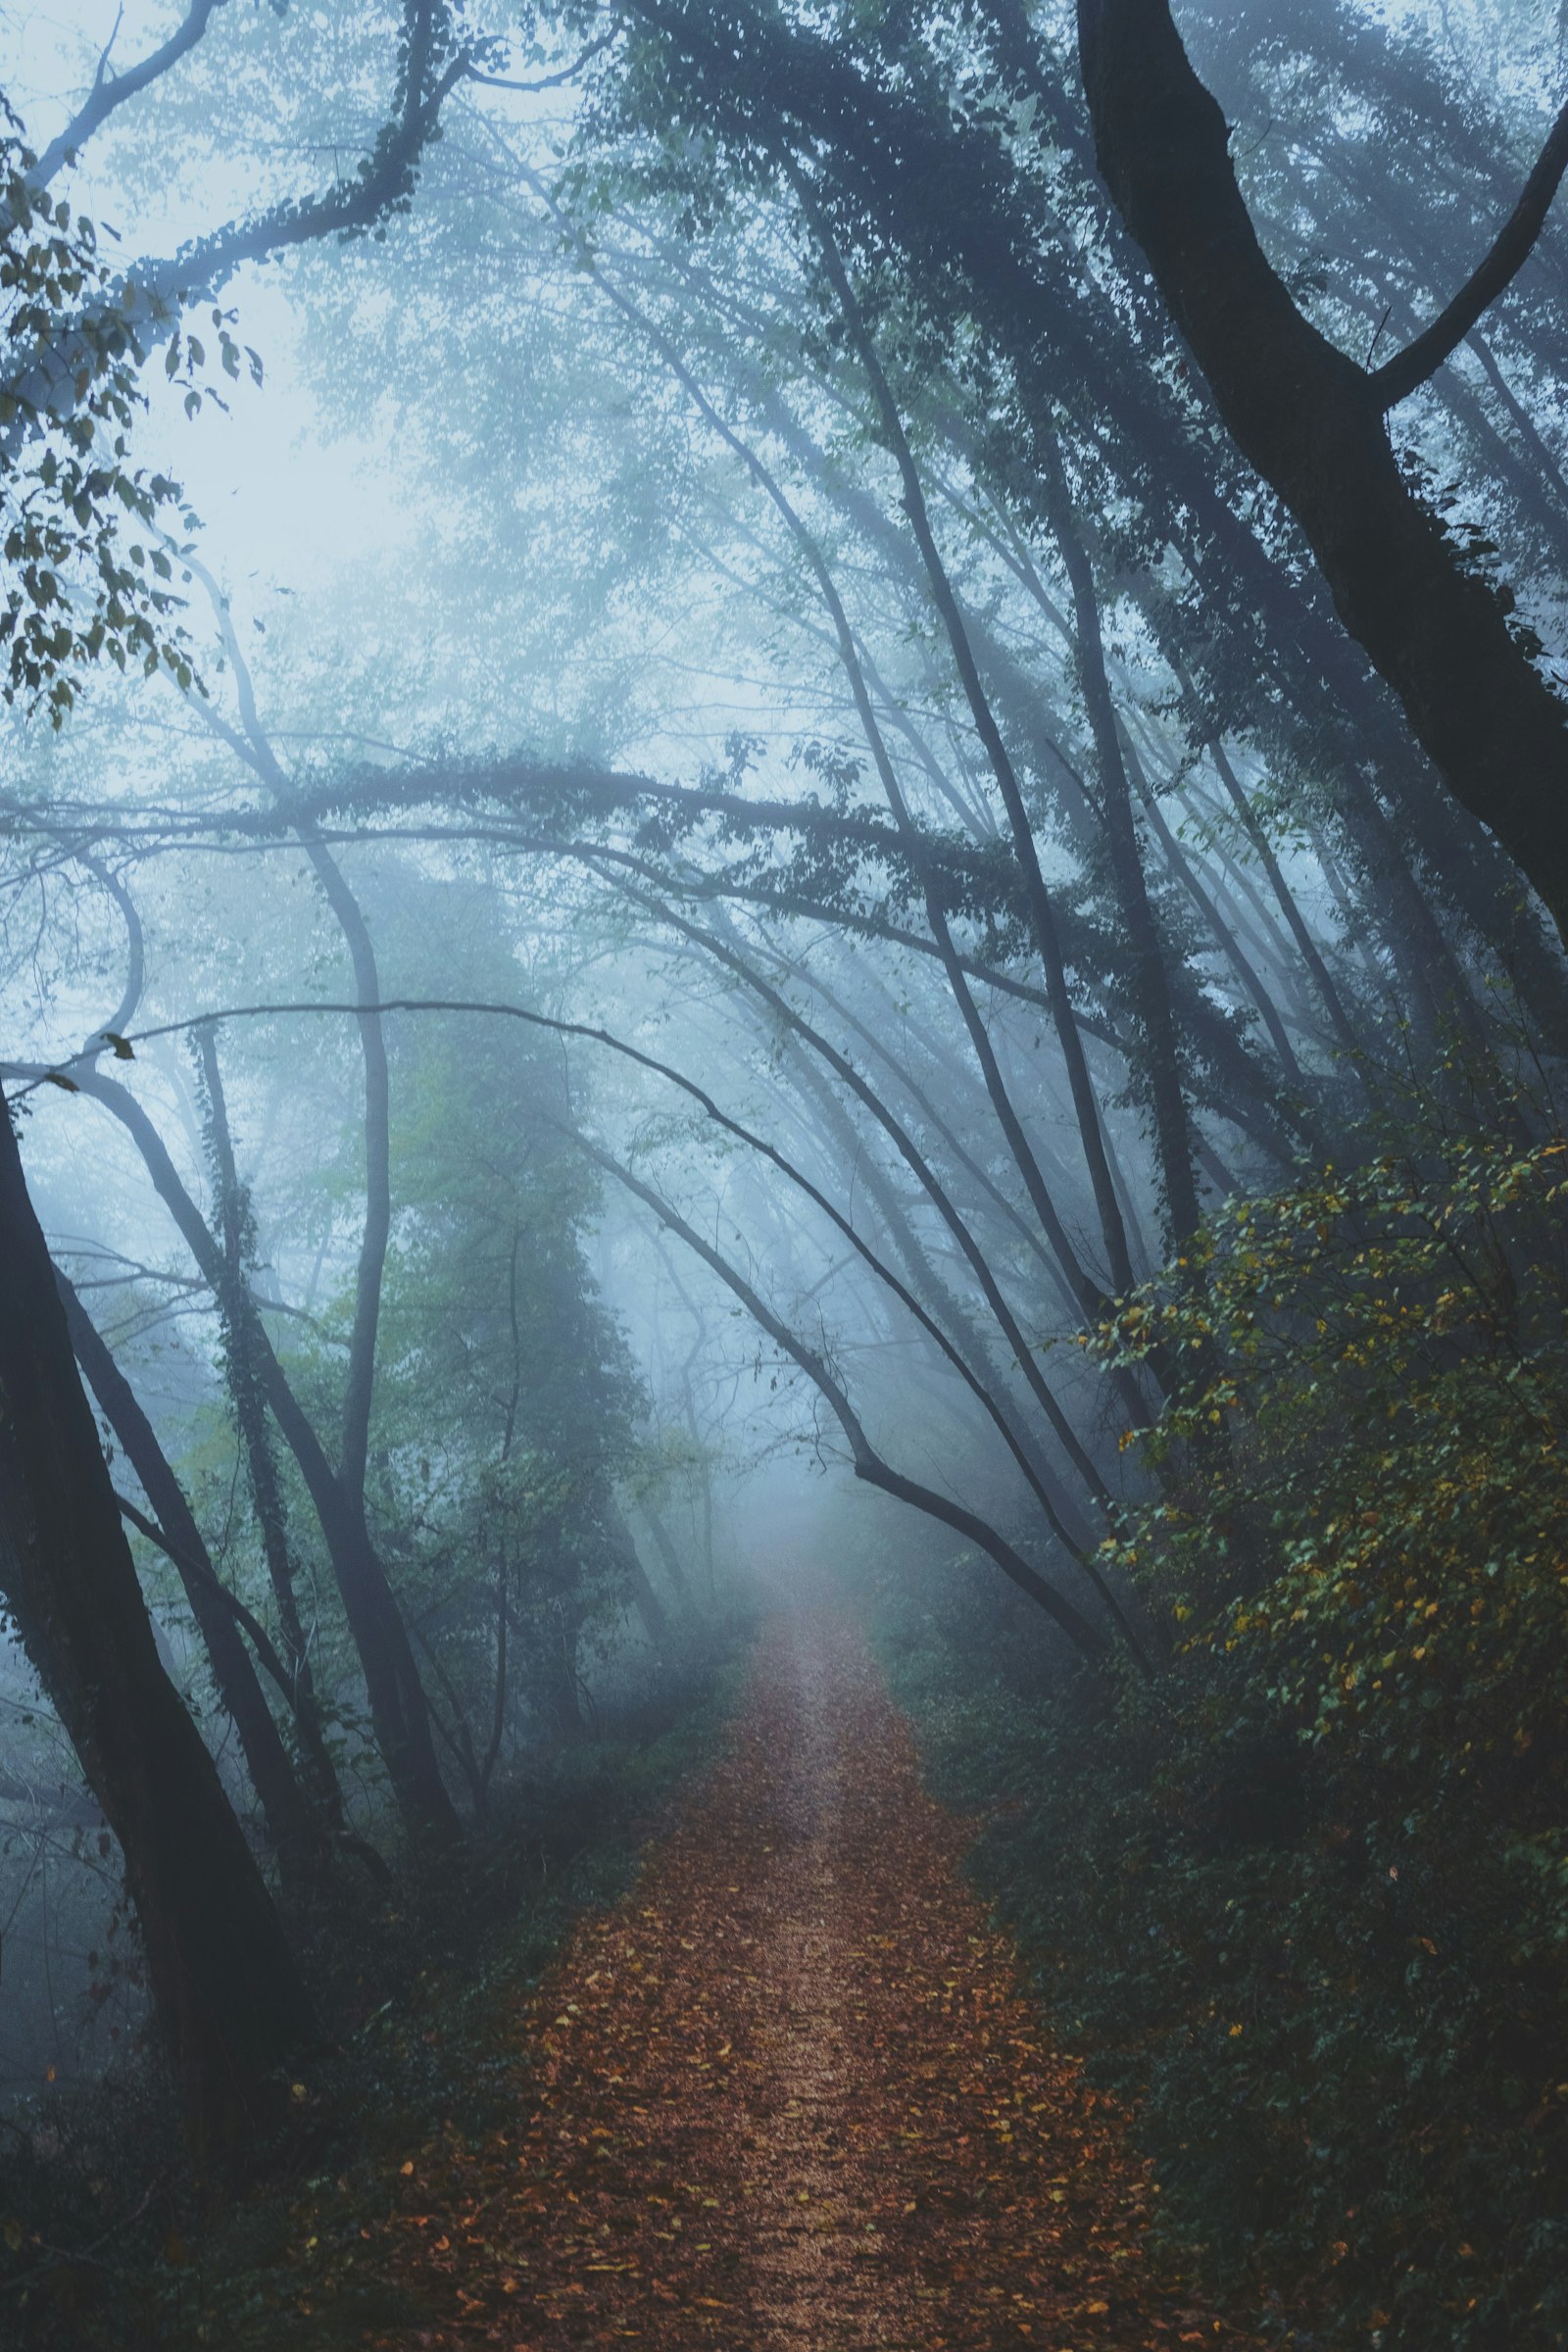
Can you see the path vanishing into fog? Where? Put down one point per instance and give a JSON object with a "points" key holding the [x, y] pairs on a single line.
{"points": [[789, 2097]]}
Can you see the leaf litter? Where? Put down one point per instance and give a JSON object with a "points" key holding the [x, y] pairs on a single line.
{"points": [[791, 2094]]}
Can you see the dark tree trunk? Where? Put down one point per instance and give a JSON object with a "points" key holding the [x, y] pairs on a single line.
{"points": [[944, 192], [228, 1997], [242, 1335], [291, 1824], [1312, 422], [398, 1705]]}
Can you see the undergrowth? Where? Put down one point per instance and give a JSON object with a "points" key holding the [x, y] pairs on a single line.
{"points": [[1302, 1896], [1330, 2048]]}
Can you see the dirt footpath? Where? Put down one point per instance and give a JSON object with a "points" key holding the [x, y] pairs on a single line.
{"points": [[789, 2097]]}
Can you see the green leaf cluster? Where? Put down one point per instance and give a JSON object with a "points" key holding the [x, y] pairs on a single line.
{"points": [[1303, 1899], [78, 585]]}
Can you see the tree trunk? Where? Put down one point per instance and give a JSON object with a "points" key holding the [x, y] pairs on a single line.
{"points": [[398, 1705], [242, 1332], [228, 1997], [1312, 422], [290, 1822], [1149, 978]]}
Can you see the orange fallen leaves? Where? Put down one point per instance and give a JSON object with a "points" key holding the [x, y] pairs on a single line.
{"points": [[891, 2155]]}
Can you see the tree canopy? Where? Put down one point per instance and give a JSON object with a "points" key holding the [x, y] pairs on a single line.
{"points": [[753, 748]]}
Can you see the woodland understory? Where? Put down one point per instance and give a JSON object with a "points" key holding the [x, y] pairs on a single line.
{"points": [[784, 1222]]}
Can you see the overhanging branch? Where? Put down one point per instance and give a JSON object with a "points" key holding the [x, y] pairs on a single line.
{"points": [[869, 1464], [1410, 368], [111, 90]]}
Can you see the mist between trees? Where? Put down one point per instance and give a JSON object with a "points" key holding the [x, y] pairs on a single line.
{"points": [[745, 753]]}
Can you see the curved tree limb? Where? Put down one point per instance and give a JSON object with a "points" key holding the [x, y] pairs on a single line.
{"points": [[198, 1572], [1312, 422], [148, 303], [1515, 241], [207, 1021], [375, 1621], [111, 90], [869, 1464]]}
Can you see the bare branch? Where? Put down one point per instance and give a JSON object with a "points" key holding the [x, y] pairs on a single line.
{"points": [[1400, 376], [111, 90], [191, 1567], [869, 1464], [688, 1086], [546, 81]]}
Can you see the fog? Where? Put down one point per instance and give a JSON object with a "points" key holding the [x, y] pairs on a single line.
{"points": [[721, 923]]}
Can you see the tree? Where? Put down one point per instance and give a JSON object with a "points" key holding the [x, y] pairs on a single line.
{"points": [[291, 1823], [231, 2002], [76, 589], [1312, 421]]}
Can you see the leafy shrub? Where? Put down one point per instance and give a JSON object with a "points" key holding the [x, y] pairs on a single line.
{"points": [[1305, 1896]]}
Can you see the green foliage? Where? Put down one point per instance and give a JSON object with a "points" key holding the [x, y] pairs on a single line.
{"points": [[505, 1397], [1304, 1900], [1340, 2058], [1370, 1490], [79, 584]]}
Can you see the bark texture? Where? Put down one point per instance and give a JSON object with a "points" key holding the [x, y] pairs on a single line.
{"points": [[1310, 420], [228, 1997]]}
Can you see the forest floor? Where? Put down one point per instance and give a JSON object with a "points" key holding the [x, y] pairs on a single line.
{"points": [[791, 2094]]}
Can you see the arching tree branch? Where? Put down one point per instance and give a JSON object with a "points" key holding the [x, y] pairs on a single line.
{"points": [[869, 1464], [1312, 422], [111, 90], [1398, 378]]}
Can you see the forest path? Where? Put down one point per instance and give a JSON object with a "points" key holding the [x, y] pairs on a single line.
{"points": [[789, 2096]]}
